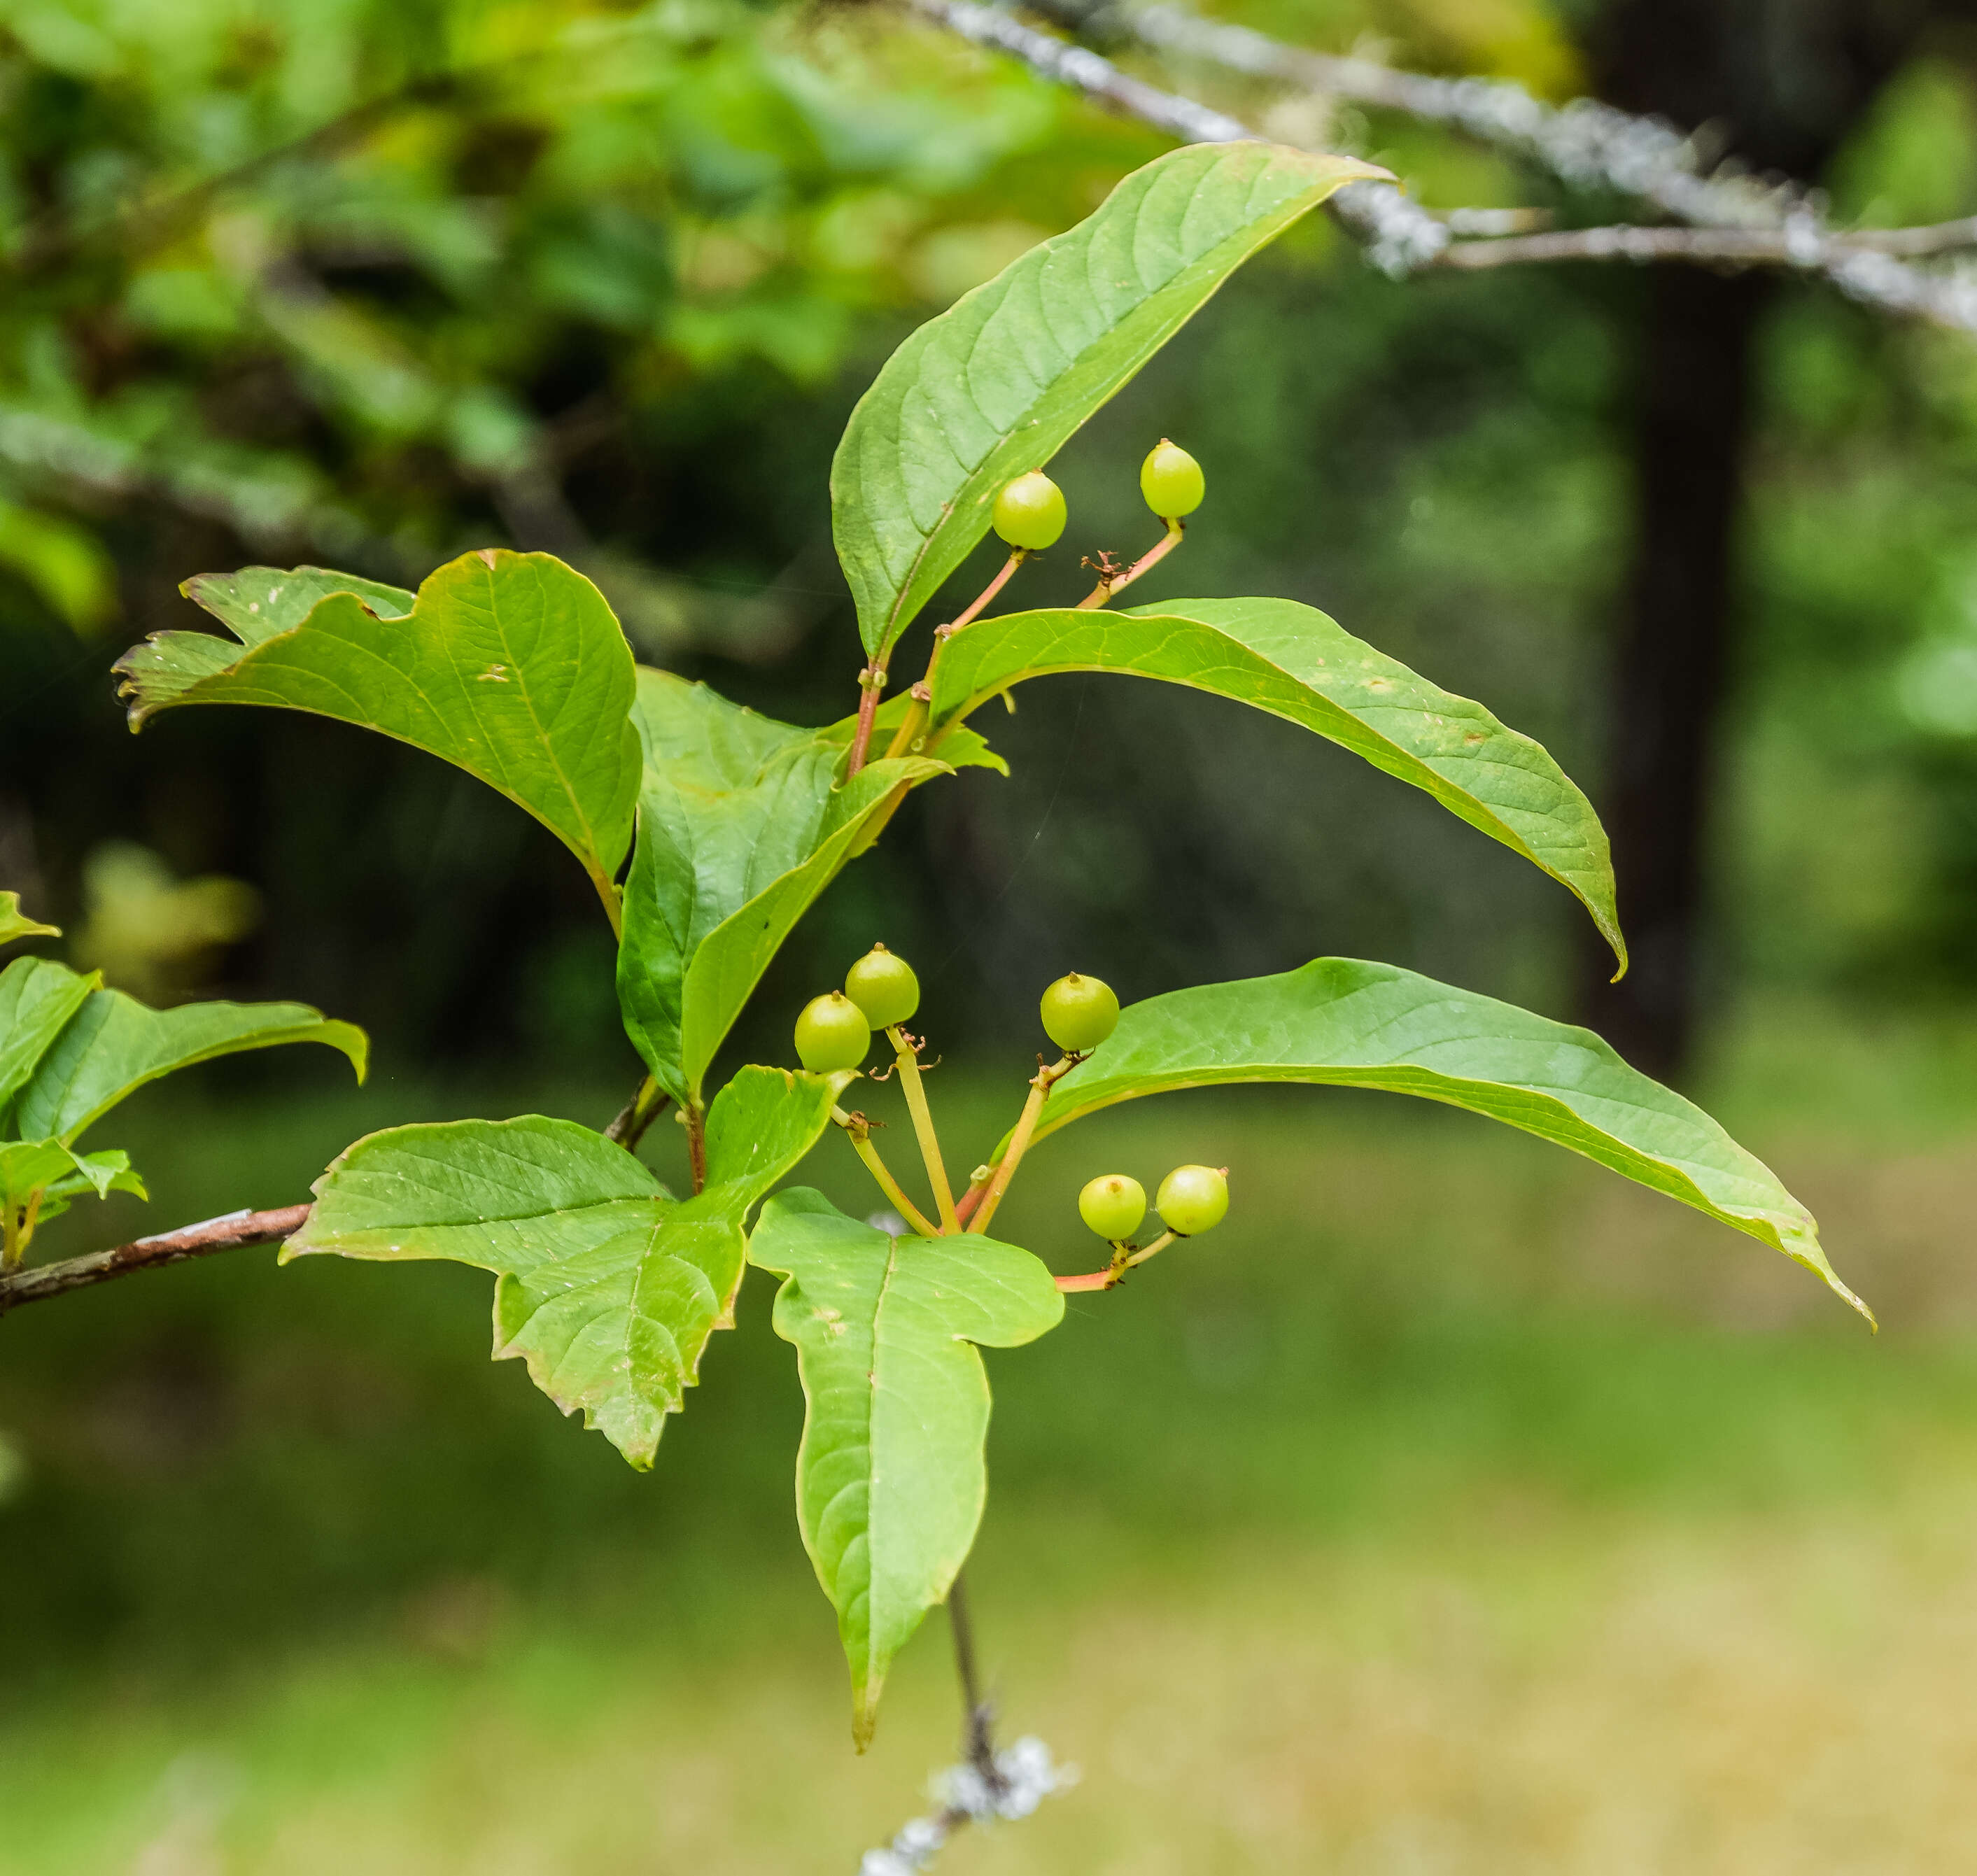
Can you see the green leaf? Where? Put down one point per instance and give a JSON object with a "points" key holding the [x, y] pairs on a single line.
{"points": [[38, 997], [28, 1166], [58, 1174], [1340, 1021], [13, 925], [1293, 662], [509, 665], [115, 1044], [742, 823], [255, 603], [890, 1477], [992, 388], [609, 1288]]}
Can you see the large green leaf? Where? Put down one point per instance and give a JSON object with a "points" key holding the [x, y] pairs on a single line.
{"points": [[1371, 1025], [890, 1477], [991, 388], [38, 997], [509, 665], [14, 924], [114, 1045], [609, 1288], [742, 823], [1295, 662]]}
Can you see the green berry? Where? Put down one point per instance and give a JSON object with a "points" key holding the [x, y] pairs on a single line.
{"points": [[832, 1033], [1194, 1199], [1113, 1205], [1029, 513], [1079, 1013], [1172, 481], [883, 987]]}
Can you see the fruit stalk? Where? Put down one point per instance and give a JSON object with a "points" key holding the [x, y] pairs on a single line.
{"points": [[1102, 594], [1040, 1084], [860, 1130], [922, 692], [916, 1104], [1114, 1272]]}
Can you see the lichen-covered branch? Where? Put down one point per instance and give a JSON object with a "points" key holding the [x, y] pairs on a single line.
{"points": [[1735, 220], [1025, 1775]]}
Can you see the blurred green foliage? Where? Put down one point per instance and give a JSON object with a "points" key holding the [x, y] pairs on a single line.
{"points": [[371, 284]]}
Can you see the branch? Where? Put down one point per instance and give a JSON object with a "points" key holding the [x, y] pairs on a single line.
{"points": [[1025, 1775], [42, 1281], [1586, 144]]}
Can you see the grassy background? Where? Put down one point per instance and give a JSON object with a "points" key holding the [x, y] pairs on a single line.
{"points": [[1455, 1507]]}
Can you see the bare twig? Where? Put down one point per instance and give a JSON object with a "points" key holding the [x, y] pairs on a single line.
{"points": [[235, 1228], [978, 1716]]}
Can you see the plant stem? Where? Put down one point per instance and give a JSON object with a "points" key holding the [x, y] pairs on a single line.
{"points": [[695, 1117], [11, 1247], [647, 1103], [988, 594], [220, 1234], [978, 1184], [1102, 594], [922, 692], [916, 1104], [859, 1128], [1114, 1272], [1019, 1141], [871, 681]]}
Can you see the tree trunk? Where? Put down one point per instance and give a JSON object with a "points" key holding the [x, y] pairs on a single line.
{"points": [[1783, 86], [1691, 429]]}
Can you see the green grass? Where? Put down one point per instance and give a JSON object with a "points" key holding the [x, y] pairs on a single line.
{"points": [[1454, 1507]]}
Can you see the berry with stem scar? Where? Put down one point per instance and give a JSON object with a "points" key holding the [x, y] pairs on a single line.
{"points": [[1194, 1199], [832, 1033], [883, 987], [1079, 1013], [1172, 481], [1029, 513], [1113, 1205]]}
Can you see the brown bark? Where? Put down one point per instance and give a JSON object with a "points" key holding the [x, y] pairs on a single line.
{"points": [[41, 1280]]}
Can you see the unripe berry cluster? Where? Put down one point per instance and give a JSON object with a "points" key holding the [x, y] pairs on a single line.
{"points": [[1192, 1200], [1030, 514], [835, 1030]]}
